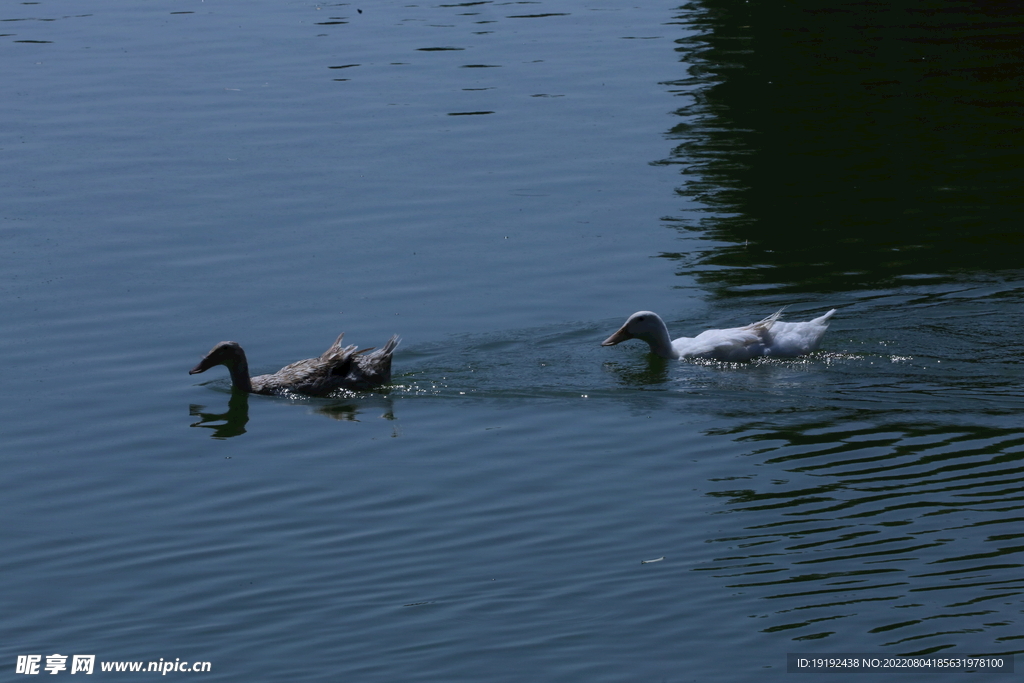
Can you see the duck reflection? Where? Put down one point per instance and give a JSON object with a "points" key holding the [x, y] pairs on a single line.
{"points": [[347, 411], [655, 371], [232, 422]]}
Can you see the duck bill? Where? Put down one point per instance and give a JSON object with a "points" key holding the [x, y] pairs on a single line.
{"points": [[203, 366], [620, 336]]}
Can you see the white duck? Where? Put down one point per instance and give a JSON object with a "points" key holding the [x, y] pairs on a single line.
{"points": [[769, 337]]}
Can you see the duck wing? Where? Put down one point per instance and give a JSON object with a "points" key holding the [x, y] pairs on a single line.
{"points": [[312, 376], [733, 345], [339, 367]]}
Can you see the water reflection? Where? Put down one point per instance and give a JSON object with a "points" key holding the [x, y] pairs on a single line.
{"points": [[833, 150], [348, 411], [232, 422], [905, 532], [655, 371]]}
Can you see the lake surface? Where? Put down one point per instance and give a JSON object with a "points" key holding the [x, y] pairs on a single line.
{"points": [[502, 184]]}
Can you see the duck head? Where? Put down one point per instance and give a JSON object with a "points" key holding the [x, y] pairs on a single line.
{"points": [[643, 325], [648, 327], [226, 353]]}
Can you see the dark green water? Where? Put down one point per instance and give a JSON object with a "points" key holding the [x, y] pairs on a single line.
{"points": [[502, 184], [853, 146]]}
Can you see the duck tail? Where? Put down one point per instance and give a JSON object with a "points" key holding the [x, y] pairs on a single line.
{"points": [[392, 344], [383, 352], [375, 367], [823, 320]]}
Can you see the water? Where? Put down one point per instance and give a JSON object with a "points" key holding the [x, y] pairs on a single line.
{"points": [[502, 184]]}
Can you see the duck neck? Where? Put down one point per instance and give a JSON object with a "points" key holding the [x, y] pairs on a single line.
{"points": [[240, 374], [660, 342]]}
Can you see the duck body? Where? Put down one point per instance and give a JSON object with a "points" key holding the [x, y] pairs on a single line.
{"points": [[768, 337], [339, 367]]}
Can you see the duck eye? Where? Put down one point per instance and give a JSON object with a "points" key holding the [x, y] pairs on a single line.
{"points": [[640, 319]]}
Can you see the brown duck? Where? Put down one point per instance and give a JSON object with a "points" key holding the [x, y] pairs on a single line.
{"points": [[336, 368]]}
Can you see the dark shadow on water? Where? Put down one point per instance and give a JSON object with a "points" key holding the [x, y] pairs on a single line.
{"points": [[849, 146]]}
